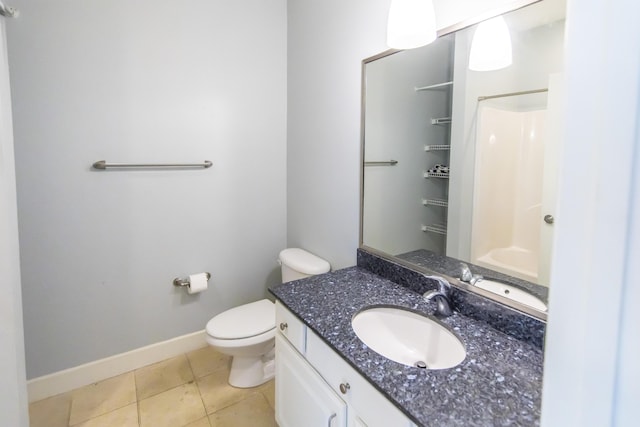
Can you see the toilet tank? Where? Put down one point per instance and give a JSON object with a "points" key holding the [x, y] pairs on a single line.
{"points": [[297, 264]]}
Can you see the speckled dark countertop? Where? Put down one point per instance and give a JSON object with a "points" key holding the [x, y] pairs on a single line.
{"points": [[498, 383]]}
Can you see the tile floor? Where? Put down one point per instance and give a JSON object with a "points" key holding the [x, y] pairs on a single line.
{"points": [[190, 390]]}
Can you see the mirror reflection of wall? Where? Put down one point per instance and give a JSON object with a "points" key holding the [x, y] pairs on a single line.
{"points": [[403, 97], [495, 146]]}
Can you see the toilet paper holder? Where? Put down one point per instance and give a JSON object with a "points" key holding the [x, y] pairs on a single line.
{"points": [[180, 281]]}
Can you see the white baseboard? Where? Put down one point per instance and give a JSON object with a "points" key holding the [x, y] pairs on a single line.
{"points": [[69, 379]]}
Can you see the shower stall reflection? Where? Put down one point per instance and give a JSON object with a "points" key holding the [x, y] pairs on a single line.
{"points": [[509, 184]]}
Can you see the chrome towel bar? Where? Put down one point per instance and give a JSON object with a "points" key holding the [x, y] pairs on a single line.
{"points": [[179, 281], [102, 165], [382, 163]]}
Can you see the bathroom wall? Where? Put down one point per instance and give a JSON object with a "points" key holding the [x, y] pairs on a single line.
{"points": [[13, 394], [592, 342], [144, 81], [327, 42]]}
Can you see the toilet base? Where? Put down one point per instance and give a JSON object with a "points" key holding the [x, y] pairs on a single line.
{"points": [[247, 372]]}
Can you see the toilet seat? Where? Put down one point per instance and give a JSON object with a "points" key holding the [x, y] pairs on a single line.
{"points": [[237, 343], [246, 321]]}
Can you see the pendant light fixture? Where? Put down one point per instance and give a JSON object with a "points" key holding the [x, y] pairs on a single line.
{"points": [[491, 46], [412, 23]]}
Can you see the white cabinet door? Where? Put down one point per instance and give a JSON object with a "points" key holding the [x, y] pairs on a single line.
{"points": [[302, 396], [367, 406]]}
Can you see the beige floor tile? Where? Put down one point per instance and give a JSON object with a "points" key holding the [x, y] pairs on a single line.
{"points": [[206, 361], [268, 389], [203, 422], [123, 417], [162, 376], [254, 411], [173, 408], [102, 397], [51, 412], [217, 393]]}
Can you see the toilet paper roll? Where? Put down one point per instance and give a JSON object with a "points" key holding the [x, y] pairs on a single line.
{"points": [[197, 283]]}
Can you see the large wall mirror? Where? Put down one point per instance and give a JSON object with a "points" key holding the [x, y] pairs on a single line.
{"points": [[459, 165]]}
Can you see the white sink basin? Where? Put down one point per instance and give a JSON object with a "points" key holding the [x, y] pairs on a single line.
{"points": [[512, 293], [408, 338]]}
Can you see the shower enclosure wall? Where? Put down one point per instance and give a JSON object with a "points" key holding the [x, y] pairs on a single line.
{"points": [[508, 191]]}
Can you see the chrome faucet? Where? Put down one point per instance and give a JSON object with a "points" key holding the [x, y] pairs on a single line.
{"points": [[440, 296], [467, 276]]}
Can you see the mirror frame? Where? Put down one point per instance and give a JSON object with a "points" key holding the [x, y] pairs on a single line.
{"points": [[523, 308]]}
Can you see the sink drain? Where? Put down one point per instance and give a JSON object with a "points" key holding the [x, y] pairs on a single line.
{"points": [[420, 364]]}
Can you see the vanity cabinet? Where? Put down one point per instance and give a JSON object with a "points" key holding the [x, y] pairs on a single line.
{"points": [[316, 387], [302, 397]]}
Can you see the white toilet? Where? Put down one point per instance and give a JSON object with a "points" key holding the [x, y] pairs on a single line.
{"points": [[248, 332]]}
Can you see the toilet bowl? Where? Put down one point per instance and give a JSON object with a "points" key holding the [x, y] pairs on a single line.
{"points": [[247, 332]]}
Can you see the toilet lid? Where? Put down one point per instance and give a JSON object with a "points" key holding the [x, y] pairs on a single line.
{"points": [[244, 321]]}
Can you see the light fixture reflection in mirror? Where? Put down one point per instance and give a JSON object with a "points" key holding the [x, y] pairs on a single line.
{"points": [[411, 24], [491, 46]]}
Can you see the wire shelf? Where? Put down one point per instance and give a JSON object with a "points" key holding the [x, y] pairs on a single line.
{"points": [[445, 85], [435, 228], [437, 147], [436, 175], [435, 202], [441, 120]]}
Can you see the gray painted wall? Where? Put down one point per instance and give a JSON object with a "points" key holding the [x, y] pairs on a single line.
{"points": [[327, 42], [13, 394], [144, 81]]}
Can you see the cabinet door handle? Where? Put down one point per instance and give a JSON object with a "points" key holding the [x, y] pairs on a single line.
{"points": [[344, 388], [283, 326], [331, 419]]}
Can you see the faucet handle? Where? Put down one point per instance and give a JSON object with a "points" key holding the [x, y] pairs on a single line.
{"points": [[440, 296], [465, 273], [476, 278]]}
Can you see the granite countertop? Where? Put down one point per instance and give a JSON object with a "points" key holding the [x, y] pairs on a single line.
{"points": [[498, 384]]}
